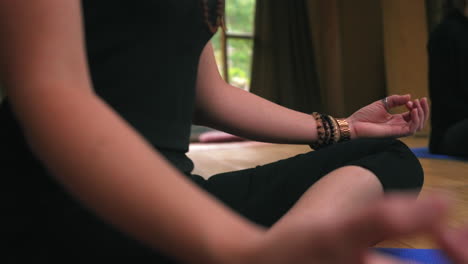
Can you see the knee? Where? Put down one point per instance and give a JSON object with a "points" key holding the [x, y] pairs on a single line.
{"points": [[393, 163], [408, 173]]}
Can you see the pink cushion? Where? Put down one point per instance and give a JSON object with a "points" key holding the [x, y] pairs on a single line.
{"points": [[218, 136]]}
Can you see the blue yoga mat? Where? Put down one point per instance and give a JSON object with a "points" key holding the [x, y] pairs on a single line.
{"points": [[424, 153], [423, 256]]}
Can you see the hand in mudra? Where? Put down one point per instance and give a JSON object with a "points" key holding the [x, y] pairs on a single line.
{"points": [[375, 121]]}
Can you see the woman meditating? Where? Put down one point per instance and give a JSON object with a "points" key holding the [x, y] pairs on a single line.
{"points": [[95, 129]]}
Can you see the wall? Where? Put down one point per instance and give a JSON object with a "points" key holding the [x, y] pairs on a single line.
{"points": [[405, 39], [363, 54], [348, 41], [405, 36], [325, 28], [368, 49]]}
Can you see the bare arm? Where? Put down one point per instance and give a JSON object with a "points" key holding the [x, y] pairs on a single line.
{"points": [[84, 143], [233, 110], [222, 106]]}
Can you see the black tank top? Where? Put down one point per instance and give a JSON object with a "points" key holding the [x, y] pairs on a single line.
{"points": [[143, 58]]}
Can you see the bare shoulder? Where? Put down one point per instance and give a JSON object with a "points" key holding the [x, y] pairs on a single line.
{"points": [[40, 39]]}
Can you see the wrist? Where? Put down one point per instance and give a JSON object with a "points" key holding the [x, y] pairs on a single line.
{"points": [[344, 129], [330, 130], [352, 132]]}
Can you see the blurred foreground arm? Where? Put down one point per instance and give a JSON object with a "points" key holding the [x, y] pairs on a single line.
{"points": [[88, 147], [347, 240]]}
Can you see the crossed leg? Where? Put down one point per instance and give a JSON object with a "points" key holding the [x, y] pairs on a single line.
{"points": [[331, 182], [339, 193]]}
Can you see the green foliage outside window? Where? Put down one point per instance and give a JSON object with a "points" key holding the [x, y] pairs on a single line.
{"points": [[240, 15], [239, 20]]}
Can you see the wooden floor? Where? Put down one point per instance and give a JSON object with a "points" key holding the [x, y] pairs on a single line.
{"points": [[445, 175]]}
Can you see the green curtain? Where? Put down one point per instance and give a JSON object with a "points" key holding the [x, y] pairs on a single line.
{"points": [[283, 67]]}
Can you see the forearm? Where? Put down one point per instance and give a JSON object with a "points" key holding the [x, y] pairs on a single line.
{"points": [[241, 113], [233, 110], [114, 172]]}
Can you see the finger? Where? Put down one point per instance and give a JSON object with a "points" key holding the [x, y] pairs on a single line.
{"points": [[375, 258], [397, 100], [418, 106], [425, 106], [395, 216], [407, 116], [454, 244], [409, 105], [414, 123]]}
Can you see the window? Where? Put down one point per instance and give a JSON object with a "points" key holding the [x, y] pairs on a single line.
{"points": [[233, 49]]}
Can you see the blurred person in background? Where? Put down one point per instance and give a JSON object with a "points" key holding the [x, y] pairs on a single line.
{"points": [[448, 81]]}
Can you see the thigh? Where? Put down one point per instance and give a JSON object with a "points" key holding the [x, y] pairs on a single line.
{"points": [[455, 140], [42, 223], [73, 234], [265, 193]]}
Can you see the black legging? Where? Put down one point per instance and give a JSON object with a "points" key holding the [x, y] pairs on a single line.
{"points": [[265, 193], [46, 225], [455, 140]]}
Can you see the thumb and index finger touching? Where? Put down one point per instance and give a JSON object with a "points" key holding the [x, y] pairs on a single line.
{"points": [[398, 100], [418, 110]]}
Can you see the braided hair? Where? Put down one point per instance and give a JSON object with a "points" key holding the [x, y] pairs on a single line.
{"points": [[219, 20]]}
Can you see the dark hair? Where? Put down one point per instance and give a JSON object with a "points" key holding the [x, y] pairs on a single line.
{"points": [[451, 6]]}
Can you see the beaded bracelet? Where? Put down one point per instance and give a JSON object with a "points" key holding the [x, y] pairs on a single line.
{"points": [[320, 130], [330, 130], [327, 127]]}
